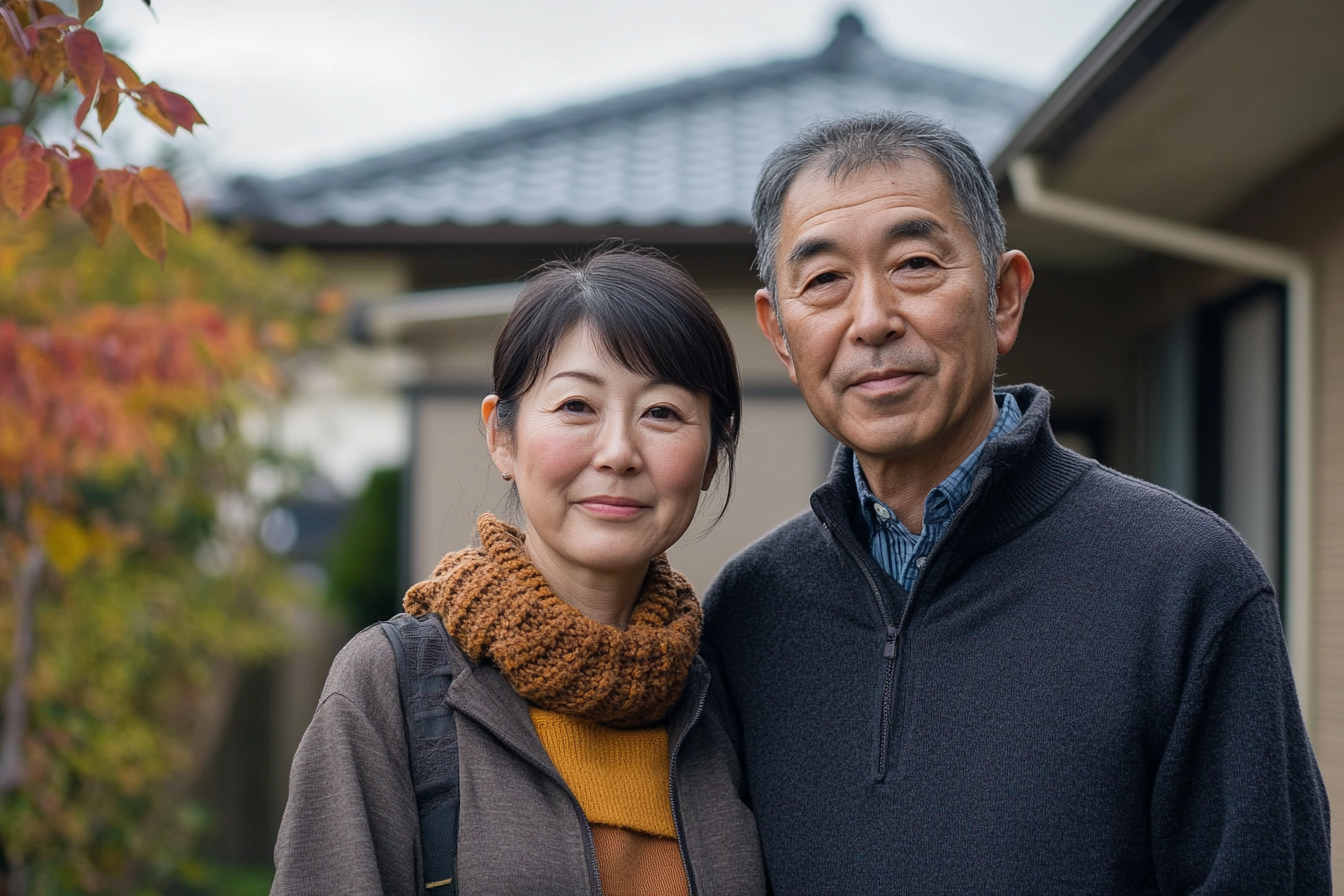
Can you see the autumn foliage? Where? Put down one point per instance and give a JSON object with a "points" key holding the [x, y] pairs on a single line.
{"points": [[52, 50]]}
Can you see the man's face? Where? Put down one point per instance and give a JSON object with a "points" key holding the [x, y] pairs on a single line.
{"points": [[885, 310]]}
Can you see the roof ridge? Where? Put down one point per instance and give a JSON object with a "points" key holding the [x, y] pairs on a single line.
{"points": [[851, 49]]}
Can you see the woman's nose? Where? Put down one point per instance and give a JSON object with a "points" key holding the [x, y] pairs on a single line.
{"points": [[616, 448]]}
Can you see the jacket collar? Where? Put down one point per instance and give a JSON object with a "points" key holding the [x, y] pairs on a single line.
{"points": [[1021, 475]]}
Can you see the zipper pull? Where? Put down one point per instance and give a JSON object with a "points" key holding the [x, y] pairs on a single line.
{"points": [[889, 650]]}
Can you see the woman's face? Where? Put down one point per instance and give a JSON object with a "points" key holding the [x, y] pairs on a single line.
{"points": [[609, 464]]}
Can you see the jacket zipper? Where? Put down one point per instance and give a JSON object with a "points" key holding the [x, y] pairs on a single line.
{"points": [[672, 794], [590, 848], [890, 652], [891, 648]]}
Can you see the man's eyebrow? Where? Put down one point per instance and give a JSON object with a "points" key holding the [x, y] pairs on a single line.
{"points": [[808, 249], [915, 228], [904, 230]]}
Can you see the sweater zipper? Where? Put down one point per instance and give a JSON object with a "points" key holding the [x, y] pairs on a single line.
{"points": [[672, 795], [590, 847], [890, 652]]}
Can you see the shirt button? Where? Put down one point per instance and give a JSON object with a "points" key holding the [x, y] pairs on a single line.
{"points": [[920, 561], [882, 512]]}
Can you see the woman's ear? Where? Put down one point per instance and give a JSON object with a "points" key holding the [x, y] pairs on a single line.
{"points": [[496, 440], [711, 468]]}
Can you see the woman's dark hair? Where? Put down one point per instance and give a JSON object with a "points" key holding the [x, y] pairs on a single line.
{"points": [[645, 312]]}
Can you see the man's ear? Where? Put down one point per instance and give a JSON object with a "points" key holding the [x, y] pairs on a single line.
{"points": [[768, 321], [500, 446], [1011, 288]]}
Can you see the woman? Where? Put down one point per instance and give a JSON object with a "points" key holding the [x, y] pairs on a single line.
{"points": [[591, 756]]}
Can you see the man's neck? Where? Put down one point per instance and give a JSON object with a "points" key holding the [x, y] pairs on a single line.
{"points": [[903, 483]]}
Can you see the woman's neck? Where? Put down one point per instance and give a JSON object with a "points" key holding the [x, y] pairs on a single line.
{"points": [[605, 596]]}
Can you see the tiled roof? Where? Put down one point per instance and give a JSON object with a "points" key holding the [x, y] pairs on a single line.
{"points": [[684, 154]]}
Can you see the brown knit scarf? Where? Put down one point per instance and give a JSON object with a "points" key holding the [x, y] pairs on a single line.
{"points": [[496, 606]]}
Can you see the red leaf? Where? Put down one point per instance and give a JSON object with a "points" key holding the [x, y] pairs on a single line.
{"points": [[177, 108], [83, 172], [161, 190], [85, 52], [83, 111], [59, 21], [24, 184]]}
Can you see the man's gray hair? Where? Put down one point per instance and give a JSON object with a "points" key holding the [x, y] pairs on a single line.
{"points": [[843, 146]]}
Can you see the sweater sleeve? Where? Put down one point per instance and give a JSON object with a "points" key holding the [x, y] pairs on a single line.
{"points": [[1238, 803], [350, 825]]}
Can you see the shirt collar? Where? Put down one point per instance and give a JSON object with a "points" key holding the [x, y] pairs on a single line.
{"points": [[942, 502]]}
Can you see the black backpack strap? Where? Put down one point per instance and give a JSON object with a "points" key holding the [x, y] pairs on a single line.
{"points": [[421, 648]]}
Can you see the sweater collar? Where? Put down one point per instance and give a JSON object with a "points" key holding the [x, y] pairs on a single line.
{"points": [[1021, 475]]}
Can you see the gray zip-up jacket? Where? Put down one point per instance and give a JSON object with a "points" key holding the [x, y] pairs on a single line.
{"points": [[351, 824]]}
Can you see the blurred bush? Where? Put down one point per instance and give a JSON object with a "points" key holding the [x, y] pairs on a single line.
{"points": [[363, 566], [129, 527]]}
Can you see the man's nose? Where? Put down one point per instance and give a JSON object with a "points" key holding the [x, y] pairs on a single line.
{"points": [[617, 446], [875, 306]]}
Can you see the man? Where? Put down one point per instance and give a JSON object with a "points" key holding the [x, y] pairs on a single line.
{"points": [[983, 663]]}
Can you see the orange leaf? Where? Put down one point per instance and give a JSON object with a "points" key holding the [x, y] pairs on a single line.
{"points": [[51, 50], [124, 72], [60, 175], [87, 8], [23, 185], [83, 172], [85, 52], [97, 213], [117, 183], [10, 137], [109, 101], [146, 229], [31, 149], [155, 114], [15, 29], [46, 8], [161, 190]]}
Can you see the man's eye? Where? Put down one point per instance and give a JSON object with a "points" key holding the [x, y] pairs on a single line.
{"points": [[918, 262], [823, 279]]}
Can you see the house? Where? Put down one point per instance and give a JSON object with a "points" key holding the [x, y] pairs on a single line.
{"points": [[1181, 195], [433, 240]]}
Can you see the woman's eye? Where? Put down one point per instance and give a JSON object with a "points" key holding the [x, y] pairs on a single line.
{"points": [[662, 413], [574, 406]]}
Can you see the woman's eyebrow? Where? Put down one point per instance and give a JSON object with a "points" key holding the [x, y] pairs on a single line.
{"points": [[578, 375]]}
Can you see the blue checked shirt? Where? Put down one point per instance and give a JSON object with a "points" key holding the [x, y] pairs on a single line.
{"points": [[901, 553]]}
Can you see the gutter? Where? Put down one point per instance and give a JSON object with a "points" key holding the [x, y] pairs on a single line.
{"points": [[1261, 259]]}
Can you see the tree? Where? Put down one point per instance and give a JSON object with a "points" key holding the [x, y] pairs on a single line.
{"points": [[50, 51], [127, 550]]}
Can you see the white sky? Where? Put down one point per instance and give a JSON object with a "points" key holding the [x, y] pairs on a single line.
{"points": [[288, 85]]}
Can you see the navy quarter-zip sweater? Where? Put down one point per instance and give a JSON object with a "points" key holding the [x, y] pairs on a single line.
{"points": [[1086, 691]]}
